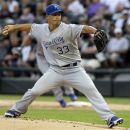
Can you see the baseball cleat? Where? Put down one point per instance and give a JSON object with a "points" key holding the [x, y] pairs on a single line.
{"points": [[114, 121], [11, 114], [62, 103], [73, 97]]}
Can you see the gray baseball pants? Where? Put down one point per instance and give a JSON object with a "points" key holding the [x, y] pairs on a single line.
{"points": [[66, 76]]}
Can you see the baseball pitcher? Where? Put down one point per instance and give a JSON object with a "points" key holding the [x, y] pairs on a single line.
{"points": [[59, 43], [43, 67]]}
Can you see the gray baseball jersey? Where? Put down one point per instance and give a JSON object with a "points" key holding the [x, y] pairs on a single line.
{"points": [[60, 46]]}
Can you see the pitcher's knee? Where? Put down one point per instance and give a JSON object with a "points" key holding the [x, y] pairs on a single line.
{"points": [[35, 93], [91, 89]]}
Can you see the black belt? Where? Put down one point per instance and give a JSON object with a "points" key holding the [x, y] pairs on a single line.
{"points": [[72, 64]]}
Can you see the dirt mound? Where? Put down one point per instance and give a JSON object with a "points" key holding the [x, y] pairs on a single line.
{"points": [[22, 124]]}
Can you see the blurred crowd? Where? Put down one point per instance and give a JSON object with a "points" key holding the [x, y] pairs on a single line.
{"points": [[113, 16]]}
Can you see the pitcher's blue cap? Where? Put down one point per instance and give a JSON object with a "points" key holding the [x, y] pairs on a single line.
{"points": [[53, 8]]}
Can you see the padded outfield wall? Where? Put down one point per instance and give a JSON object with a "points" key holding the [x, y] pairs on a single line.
{"points": [[115, 83]]}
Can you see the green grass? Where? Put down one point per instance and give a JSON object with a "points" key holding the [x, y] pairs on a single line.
{"points": [[80, 98], [80, 115], [118, 100]]}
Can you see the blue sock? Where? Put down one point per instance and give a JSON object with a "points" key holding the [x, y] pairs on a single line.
{"points": [[62, 103], [73, 97]]}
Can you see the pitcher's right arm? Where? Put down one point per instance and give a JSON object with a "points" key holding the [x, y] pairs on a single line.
{"points": [[17, 27]]}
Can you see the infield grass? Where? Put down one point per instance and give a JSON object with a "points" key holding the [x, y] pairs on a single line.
{"points": [[113, 100], [80, 115]]}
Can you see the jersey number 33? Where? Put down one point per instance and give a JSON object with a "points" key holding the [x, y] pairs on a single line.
{"points": [[63, 50]]}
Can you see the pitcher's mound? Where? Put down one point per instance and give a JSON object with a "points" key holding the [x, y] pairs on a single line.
{"points": [[22, 124]]}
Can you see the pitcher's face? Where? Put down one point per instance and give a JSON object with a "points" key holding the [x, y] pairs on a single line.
{"points": [[54, 18]]}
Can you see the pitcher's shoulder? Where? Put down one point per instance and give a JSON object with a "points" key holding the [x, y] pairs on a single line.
{"points": [[64, 24], [40, 25]]}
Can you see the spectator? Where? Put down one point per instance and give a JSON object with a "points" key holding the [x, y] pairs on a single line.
{"points": [[39, 13], [29, 4], [111, 29], [117, 49], [97, 21], [26, 16], [123, 20], [11, 5], [113, 4], [127, 35], [10, 60], [4, 13], [75, 9], [4, 45], [127, 30], [16, 13], [94, 7]]}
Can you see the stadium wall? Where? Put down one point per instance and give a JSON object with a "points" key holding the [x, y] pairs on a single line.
{"points": [[116, 84]]}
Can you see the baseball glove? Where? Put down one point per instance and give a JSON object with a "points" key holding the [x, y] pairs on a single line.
{"points": [[100, 39]]}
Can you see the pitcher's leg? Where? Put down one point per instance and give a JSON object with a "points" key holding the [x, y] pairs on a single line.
{"points": [[82, 82], [58, 93], [44, 84], [98, 102], [22, 105], [69, 91]]}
